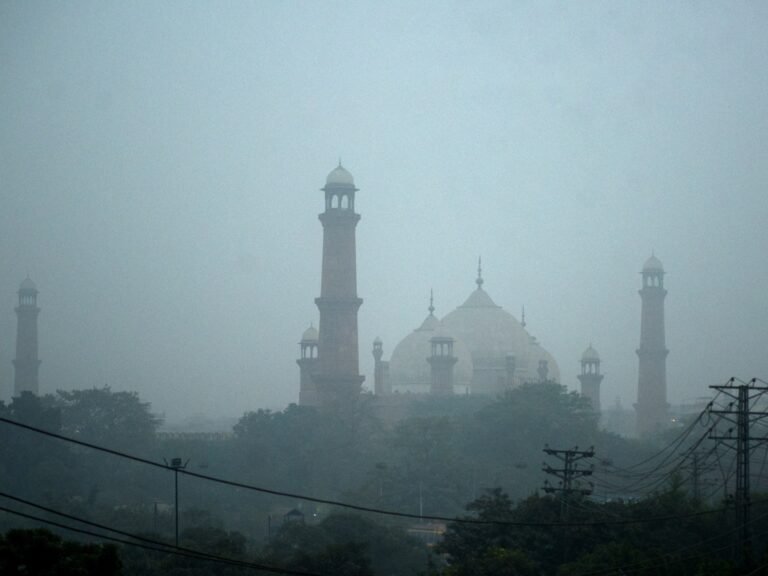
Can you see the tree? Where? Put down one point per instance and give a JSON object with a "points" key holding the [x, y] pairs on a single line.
{"points": [[347, 543], [31, 462], [118, 420], [41, 553]]}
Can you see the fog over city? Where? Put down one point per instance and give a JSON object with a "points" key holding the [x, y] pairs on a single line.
{"points": [[161, 166]]}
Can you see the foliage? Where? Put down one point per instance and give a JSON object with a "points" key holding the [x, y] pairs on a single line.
{"points": [[118, 420], [42, 553], [379, 549]]}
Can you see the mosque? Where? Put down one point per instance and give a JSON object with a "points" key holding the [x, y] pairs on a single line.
{"points": [[478, 348]]}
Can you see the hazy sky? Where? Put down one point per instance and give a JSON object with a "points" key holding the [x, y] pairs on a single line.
{"points": [[160, 166]]}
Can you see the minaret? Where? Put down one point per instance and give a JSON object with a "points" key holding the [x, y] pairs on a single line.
{"points": [[651, 407], [26, 364], [441, 361], [381, 384], [338, 379], [308, 367], [590, 377]]}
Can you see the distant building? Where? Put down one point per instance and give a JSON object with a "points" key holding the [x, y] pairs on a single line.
{"points": [[651, 407], [478, 348], [26, 364]]}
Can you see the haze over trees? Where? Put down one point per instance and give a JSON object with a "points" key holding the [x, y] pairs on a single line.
{"points": [[464, 458]]}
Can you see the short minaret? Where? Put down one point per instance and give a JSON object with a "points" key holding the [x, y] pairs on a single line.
{"points": [[651, 407], [441, 361], [308, 367], [26, 363], [338, 379], [543, 370], [590, 377], [381, 384]]}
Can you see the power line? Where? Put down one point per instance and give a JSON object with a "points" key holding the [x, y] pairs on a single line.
{"points": [[347, 505], [642, 564], [745, 396], [157, 546]]}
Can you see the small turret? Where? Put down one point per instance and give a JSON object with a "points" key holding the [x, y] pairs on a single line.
{"points": [[590, 377], [308, 367]]}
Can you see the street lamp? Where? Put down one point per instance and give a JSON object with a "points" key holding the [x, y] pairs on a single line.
{"points": [[176, 465]]}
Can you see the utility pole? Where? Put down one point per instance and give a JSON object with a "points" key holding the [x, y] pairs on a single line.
{"points": [[569, 475], [176, 465], [699, 467], [743, 395]]}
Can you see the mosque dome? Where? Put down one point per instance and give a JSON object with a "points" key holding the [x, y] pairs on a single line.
{"points": [[409, 370], [339, 176], [590, 355], [492, 335], [493, 349], [310, 335], [27, 285], [653, 264]]}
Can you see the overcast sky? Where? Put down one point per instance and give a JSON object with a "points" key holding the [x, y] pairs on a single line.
{"points": [[160, 167]]}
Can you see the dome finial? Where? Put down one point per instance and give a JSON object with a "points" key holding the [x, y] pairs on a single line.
{"points": [[522, 318], [479, 280], [340, 166], [431, 302]]}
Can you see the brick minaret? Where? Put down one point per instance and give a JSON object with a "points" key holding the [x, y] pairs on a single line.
{"points": [[590, 377], [308, 367], [338, 378], [651, 407], [26, 363]]}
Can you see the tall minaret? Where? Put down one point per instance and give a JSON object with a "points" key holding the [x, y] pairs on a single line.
{"points": [[308, 367], [590, 377], [651, 407], [338, 378], [26, 364]]}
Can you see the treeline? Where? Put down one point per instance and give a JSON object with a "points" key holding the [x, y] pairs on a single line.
{"points": [[441, 455]]}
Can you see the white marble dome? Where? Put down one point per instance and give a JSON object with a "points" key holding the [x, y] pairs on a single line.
{"points": [[340, 176], [409, 370]]}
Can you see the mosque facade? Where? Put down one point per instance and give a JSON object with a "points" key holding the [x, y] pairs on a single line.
{"points": [[477, 348], [492, 351]]}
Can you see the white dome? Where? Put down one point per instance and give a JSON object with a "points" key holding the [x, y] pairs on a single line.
{"points": [[310, 335], [339, 176], [27, 285], [590, 355], [653, 264], [492, 334], [409, 369]]}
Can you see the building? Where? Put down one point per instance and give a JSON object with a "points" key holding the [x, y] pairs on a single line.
{"points": [[331, 377], [26, 364], [651, 407], [477, 348]]}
